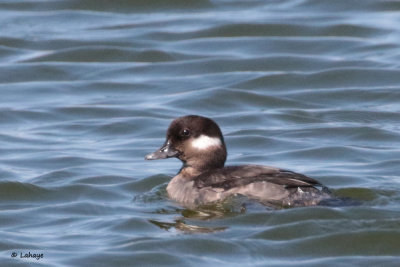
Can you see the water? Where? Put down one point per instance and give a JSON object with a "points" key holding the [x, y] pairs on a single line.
{"points": [[89, 87]]}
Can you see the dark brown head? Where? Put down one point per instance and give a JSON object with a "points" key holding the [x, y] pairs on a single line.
{"points": [[197, 141]]}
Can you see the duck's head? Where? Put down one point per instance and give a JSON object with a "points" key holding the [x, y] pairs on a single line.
{"points": [[197, 141]]}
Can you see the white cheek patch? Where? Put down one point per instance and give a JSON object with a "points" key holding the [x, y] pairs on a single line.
{"points": [[204, 142]]}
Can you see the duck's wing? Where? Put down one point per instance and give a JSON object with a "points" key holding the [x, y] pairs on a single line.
{"points": [[233, 176]]}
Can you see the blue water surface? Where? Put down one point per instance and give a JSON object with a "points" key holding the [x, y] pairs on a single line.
{"points": [[87, 88]]}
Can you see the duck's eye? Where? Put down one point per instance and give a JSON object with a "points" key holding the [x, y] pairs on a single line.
{"points": [[185, 132]]}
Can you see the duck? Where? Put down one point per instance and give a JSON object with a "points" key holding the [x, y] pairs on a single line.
{"points": [[203, 179]]}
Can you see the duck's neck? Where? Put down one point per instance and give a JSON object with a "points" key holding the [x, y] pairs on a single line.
{"points": [[201, 162], [192, 171], [189, 172]]}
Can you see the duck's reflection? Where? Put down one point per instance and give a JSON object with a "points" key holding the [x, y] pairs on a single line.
{"points": [[192, 220], [184, 227]]}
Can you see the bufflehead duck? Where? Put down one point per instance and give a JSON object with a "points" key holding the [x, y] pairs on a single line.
{"points": [[198, 142]]}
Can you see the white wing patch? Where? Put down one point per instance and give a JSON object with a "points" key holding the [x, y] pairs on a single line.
{"points": [[204, 142]]}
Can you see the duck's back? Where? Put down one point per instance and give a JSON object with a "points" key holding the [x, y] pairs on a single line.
{"points": [[266, 184]]}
